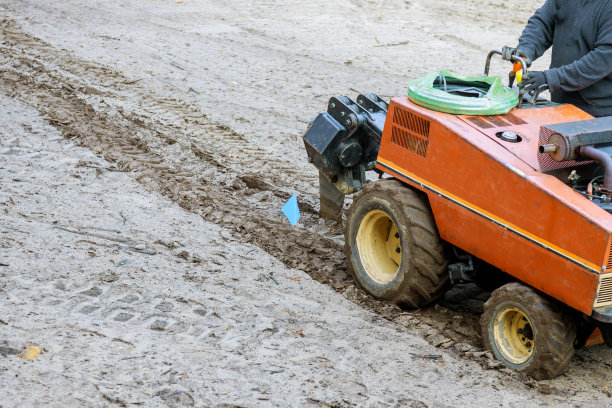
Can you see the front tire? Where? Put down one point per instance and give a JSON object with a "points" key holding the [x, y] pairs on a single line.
{"points": [[528, 331], [392, 245]]}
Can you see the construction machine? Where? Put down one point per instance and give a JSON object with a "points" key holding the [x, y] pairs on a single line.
{"points": [[518, 193]]}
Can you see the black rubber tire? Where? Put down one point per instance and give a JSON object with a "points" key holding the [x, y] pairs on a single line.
{"points": [[553, 328], [422, 276]]}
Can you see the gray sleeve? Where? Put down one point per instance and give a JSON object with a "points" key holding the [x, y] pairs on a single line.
{"points": [[589, 69], [537, 36]]}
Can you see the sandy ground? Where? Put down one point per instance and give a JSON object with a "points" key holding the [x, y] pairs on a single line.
{"points": [[146, 150]]}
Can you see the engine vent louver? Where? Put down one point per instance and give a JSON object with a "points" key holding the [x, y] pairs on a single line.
{"points": [[604, 292], [410, 131], [486, 122]]}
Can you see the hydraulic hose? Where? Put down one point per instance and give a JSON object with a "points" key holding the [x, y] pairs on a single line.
{"points": [[605, 160]]}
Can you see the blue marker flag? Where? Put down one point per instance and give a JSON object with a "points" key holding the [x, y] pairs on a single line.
{"points": [[291, 210]]}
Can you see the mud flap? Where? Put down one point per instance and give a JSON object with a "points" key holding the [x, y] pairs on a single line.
{"points": [[331, 199]]}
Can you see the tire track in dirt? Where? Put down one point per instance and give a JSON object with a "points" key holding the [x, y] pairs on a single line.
{"points": [[136, 101], [201, 180], [175, 150]]}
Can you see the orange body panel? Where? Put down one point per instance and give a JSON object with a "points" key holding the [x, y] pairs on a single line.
{"points": [[489, 198]]}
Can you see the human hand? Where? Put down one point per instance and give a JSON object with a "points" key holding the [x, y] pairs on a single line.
{"points": [[532, 81], [509, 52]]}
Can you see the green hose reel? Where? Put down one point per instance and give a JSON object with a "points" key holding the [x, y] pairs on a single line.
{"points": [[479, 95]]}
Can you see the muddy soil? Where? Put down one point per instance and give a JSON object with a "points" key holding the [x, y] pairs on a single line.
{"points": [[204, 103]]}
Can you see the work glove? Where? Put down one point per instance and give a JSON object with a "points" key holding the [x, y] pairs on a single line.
{"points": [[532, 81], [508, 52]]}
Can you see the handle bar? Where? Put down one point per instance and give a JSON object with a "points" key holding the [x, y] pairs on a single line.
{"points": [[533, 95], [498, 52]]}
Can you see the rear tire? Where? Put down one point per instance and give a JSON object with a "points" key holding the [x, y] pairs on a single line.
{"points": [[392, 245], [528, 331]]}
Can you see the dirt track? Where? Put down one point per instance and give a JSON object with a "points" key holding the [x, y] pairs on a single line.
{"points": [[205, 104]]}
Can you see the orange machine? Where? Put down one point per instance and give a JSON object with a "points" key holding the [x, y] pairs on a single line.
{"points": [[523, 196]]}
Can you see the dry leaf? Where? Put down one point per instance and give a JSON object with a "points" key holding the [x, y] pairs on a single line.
{"points": [[30, 352]]}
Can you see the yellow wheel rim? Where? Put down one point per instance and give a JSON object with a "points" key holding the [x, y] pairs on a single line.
{"points": [[513, 335], [379, 246]]}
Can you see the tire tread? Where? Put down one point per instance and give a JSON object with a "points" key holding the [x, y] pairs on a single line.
{"points": [[429, 258], [556, 324]]}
